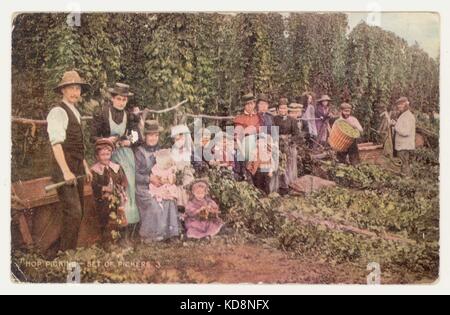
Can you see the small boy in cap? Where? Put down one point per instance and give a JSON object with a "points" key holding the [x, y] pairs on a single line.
{"points": [[109, 186]]}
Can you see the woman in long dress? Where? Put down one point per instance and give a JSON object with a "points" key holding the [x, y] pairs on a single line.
{"points": [[310, 117], [159, 220], [182, 153], [323, 116], [289, 133], [121, 128]]}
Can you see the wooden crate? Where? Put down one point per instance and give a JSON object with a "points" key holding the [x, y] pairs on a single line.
{"points": [[45, 220], [371, 153]]}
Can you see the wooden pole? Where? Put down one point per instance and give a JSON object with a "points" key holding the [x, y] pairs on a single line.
{"points": [[42, 123], [211, 117]]}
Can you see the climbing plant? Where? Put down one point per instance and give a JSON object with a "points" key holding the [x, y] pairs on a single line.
{"points": [[211, 60], [381, 67], [317, 53]]}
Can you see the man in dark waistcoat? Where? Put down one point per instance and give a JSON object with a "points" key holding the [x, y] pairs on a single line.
{"points": [[69, 164]]}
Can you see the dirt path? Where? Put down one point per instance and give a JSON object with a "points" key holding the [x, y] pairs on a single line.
{"points": [[221, 261], [253, 263]]}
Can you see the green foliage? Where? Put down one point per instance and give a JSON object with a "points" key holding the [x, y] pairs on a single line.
{"points": [[361, 176], [429, 157], [169, 67], [403, 213], [211, 59], [316, 53], [88, 48], [381, 67], [243, 204]]}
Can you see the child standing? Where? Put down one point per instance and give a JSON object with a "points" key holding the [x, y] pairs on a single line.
{"points": [[202, 213], [224, 152], [109, 186], [262, 165]]}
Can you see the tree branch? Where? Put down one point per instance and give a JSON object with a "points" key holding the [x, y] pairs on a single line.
{"points": [[211, 117], [162, 111], [27, 121]]}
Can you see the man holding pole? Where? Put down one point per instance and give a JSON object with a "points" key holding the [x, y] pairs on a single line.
{"points": [[69, 164]]}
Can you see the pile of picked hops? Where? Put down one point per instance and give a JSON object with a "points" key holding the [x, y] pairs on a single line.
{"points": [[348, 130], [309, 184]]}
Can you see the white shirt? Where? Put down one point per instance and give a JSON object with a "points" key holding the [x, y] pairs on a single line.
{"points": [[405, 132], [57, 122]]}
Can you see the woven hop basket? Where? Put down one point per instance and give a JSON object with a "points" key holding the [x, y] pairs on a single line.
{"points": [[342, 136]]}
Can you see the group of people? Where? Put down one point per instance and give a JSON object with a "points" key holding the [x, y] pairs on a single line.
{"points": [[299, 125], [139, 186]]}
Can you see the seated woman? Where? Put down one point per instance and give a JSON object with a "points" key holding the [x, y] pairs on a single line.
{"points": [[159, 221], [202, 213], [109, 186]]}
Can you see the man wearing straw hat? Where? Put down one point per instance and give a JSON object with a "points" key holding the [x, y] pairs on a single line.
{"points": [[296, 112], [67, 140], [405, 134], [352, 153]]}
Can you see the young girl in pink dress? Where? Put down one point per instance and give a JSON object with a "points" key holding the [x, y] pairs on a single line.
{"points": [[202, 213]]}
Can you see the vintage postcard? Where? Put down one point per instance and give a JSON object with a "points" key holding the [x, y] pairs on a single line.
{"points": [[226, 148]]}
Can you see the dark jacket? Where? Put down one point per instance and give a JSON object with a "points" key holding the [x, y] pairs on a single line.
{"points": [[102, 129], [267, 121], [287, 125]]}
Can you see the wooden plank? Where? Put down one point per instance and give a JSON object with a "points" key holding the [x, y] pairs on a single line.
{"points": [[371, 148], [367, 144], [25, 230], [37, 122], [33, 194], [345, 227]]}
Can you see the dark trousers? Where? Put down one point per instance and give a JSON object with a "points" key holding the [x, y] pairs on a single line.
{"points": [[405, 157], [352, 153], [72, 204], [262, 181]]}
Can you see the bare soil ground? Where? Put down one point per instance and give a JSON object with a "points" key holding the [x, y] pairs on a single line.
{"points": [[226, 262]]}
